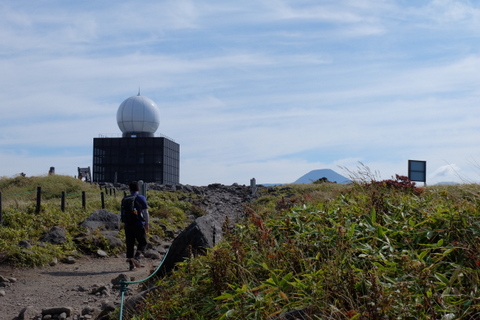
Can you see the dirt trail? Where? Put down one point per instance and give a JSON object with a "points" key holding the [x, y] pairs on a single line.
{"points": [[66, 285]]}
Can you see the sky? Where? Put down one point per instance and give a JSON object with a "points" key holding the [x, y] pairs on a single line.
{"points": [[264, 89]]}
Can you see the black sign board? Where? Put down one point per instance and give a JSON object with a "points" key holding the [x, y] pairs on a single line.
{"points": [[417, 170]]}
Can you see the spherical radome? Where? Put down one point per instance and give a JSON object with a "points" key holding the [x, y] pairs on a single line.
{"points": [[138, 114]]}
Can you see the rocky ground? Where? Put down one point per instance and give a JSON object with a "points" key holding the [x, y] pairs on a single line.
{"points": [[84, 287]]}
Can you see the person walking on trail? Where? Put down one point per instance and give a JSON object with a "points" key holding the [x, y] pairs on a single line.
{"points": [[134, 215]]}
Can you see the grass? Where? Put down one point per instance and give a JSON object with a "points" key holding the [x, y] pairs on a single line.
{"points": [[20, 220], [369, 250]]}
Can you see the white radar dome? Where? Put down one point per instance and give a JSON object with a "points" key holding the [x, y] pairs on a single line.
{"points": [[138, 115]]}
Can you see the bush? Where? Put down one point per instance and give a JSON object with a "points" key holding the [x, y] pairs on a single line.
{"points": [[376, 251]]}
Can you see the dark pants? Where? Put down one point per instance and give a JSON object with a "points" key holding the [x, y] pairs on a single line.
{"points": [[135, 233]]}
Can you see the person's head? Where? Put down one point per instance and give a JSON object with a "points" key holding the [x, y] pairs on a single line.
{"points": [[133, 186]]}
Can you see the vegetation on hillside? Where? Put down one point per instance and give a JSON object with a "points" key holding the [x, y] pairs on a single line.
{"points": [[21, 222], [370, 250]]}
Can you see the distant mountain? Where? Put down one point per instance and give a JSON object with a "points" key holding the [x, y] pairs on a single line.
{"points": [[446, 183], [314, 175]]}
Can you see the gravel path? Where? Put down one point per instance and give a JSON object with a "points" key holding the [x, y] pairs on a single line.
{"points": [[66, 285]]}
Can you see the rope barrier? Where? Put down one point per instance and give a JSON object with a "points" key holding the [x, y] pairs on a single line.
{"points": [[124, 284], [17, 194], [53, 193]]}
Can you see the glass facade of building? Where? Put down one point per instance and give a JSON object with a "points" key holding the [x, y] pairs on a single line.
{"points": [[151, 159]]}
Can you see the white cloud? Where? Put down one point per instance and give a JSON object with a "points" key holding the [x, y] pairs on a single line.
{"points": [[448, 11], [271, 89]]}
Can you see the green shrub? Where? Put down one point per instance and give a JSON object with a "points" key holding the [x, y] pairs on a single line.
{"points": [[375, 251], [20, 220]]}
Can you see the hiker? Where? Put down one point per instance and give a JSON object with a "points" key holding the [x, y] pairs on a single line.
{"points": [[134, 215]]}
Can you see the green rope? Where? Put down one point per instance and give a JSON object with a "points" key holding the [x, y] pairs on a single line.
{"points": [[17, 194], [124, 284]]}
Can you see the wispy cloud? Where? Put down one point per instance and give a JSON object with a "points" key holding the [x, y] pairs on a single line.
{"points": [[271, 88]]}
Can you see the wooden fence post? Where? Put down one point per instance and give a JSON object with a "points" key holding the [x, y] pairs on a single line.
{"points": [[62, 205], [84, 202], [39, 199], [102, 196]]}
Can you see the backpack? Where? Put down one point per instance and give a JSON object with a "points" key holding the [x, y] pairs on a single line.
{"points": [[130, 210]]}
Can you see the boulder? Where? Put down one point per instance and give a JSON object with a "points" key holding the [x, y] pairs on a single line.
{"points": [[24, 244], [103, 220], [152, 254], [68, 260], [102, 253], [195, 239], [222, 205], [29, 313], [56, 235], [107, 308], [112, 239], [57, 311]]}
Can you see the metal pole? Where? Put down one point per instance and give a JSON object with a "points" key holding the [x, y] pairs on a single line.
{"points": [[84, 202], [39, 199], [102, 196], [62, 205]]}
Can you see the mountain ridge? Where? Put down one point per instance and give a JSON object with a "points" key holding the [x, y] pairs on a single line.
{"points": [[314, 175]]}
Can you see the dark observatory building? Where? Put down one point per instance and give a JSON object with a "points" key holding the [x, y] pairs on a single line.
{"points": [[138, 154]]}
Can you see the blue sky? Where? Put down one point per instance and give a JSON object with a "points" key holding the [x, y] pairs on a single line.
{"points": [[270, 89]]}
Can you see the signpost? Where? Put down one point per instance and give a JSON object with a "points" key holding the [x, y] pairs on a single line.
{"points": [[417, 170]]}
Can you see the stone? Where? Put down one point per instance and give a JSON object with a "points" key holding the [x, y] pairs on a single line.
{"points": [[29, 313], [107, 308], [24, 244], [102, 219], [161, 249], [220, 205], [87, 310], [69, 260], [81, 289], [196, 238], [53, 262], [102, 253], [156, 239], [112, 239], [2, 293], [100, 290], [56, 235], [152, 254], [58, 310], [116, 281], [108, 305]]}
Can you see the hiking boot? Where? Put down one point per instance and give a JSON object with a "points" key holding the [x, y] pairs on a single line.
{"points": [[137, 260], [131, 264], [137, 263]]}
